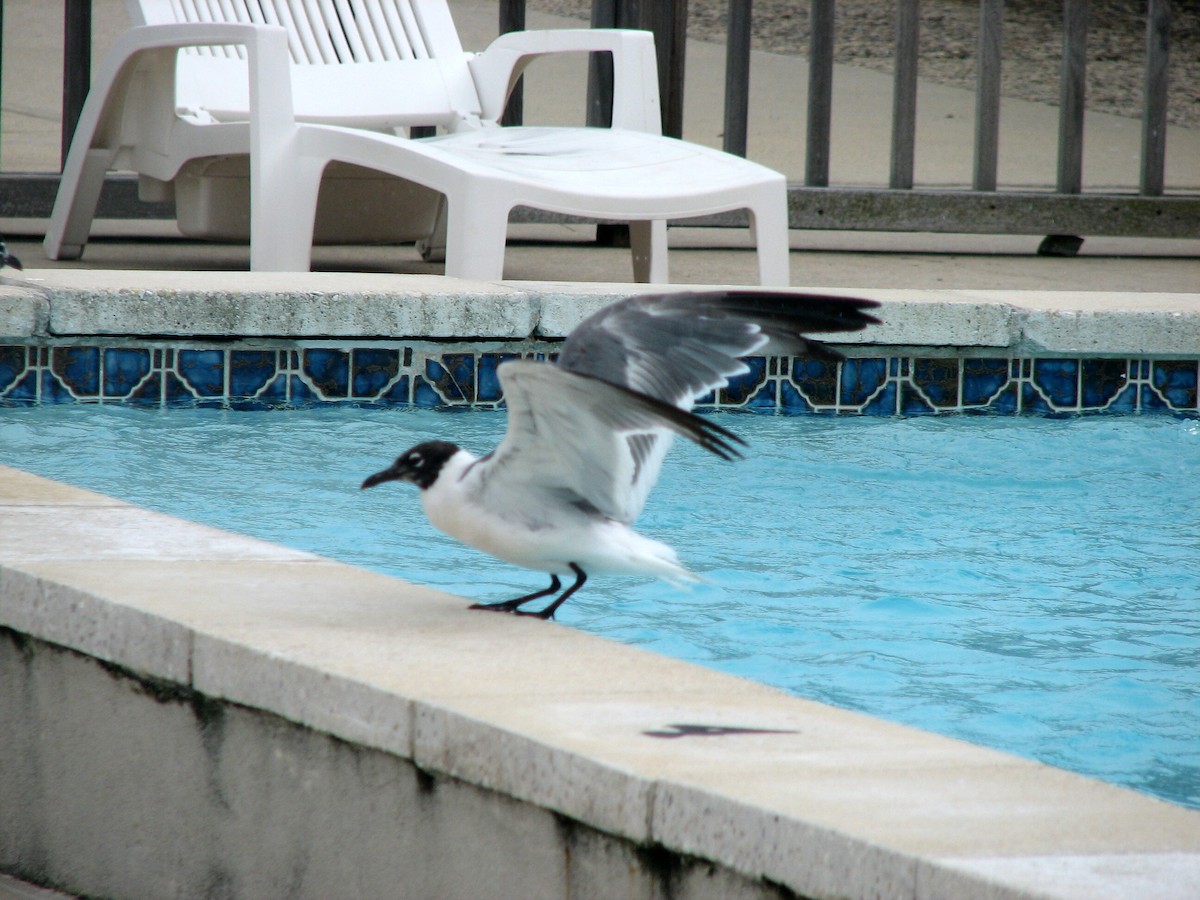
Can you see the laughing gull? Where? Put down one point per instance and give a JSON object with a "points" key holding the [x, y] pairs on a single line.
{"points": [[587, 434]]}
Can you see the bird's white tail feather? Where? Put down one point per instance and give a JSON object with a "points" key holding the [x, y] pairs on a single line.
{"points": [[650, 557]]}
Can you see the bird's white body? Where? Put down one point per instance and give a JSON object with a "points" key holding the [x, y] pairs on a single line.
{"points": [[543, 537]]}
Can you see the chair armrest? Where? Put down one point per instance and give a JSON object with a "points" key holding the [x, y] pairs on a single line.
{"points": [[155, 47], [131, 104], [133, 95], [194, 34], [635, 69]]}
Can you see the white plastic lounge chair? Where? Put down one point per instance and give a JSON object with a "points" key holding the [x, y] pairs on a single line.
{"points": [[325, 90]]}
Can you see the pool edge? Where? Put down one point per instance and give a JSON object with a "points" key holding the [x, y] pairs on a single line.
{"points": [[66, 303], [257, 340]]}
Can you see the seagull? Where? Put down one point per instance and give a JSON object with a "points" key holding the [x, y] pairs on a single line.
{"points": [[587, 433]]}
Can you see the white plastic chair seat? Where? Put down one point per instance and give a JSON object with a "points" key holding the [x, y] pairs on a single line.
{"points": [[630, 167], [612, 174]]}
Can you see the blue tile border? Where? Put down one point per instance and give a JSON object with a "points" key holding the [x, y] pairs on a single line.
{"points": [[241, 375]]}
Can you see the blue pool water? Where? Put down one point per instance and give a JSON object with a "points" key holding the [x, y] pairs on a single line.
{"points": [[1029, 584]]}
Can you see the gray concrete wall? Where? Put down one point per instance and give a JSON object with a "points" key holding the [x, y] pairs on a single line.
{"points": [[116, 785]]}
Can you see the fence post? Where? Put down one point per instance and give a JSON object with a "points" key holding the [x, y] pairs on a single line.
{"points": [[904, 93], [600, 73], [77, 66], [987, 94], [1072, 89], [1072, 85], [820, 93], [1, 62], [512, 18], [667, 19], [1154, 113], [737, 77]]}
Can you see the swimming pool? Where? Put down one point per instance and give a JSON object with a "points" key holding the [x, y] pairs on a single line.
{"points": [[1026, 583]]}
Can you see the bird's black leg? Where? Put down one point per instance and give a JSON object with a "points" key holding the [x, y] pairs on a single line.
{"points": [[512, 605], [548, 612]]}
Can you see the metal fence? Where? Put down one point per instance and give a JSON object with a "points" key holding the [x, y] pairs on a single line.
{"points": [[1060, 214]]}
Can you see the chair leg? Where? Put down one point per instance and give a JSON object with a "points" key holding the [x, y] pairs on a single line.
{"points": [[476, 233], [75, 204], [648, 240], [283, 211], [769, 228]]}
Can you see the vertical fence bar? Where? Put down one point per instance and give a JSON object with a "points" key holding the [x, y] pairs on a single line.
{"points": [[1154, 113], [77, 66], [667, 19], [904, 93], [608, 14], [987, 94], [1, 67], [600, 73], [737, 77], [1072, 90], [679, 20], [820, 93], [512, 18]]}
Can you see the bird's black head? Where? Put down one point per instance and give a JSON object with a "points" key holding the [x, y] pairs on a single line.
{"points": [[421, 465]]}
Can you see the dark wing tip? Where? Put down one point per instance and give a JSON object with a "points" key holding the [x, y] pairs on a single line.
{"points": [[712, 437], [719, 440], [810, 312], [707, 434], [789, 317], [679, 345]]}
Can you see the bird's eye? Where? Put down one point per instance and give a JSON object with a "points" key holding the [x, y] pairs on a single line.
{"points": [[416, 460]]}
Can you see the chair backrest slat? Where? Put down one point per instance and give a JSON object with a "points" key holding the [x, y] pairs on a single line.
{"points": [[389, 47], [343, 55], [331, 43], [320, 32], [364, 35], [410, 28], [301, 41]]}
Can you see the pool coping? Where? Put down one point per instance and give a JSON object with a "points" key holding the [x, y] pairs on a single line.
{"points": [[65, 304], [822, 801]]}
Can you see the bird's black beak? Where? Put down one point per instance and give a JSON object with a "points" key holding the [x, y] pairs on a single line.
{"points": [[392, 473]]}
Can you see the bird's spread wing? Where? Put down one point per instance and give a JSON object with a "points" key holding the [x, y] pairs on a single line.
{"points": [[583, 440], [678, 347]]}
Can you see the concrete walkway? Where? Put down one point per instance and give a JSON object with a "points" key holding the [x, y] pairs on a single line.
{"points": [[705, 256]]}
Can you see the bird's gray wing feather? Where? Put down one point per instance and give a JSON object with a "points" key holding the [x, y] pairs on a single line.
{"points": [[577, 438], [678, 347]]}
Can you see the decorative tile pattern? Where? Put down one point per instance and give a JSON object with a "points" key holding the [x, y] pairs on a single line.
{"points": [[246, 376]]}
